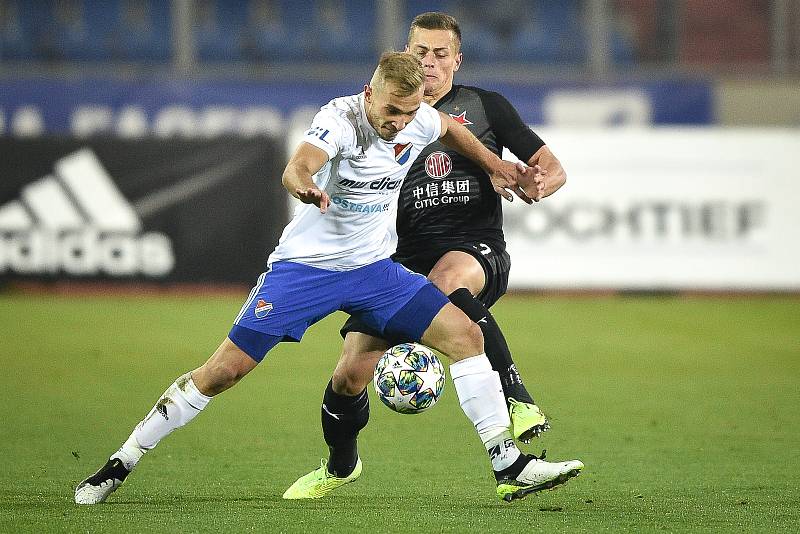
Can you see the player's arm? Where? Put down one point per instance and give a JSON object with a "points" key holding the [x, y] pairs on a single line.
{"points": [[503, 174], [551, 174], [306, 161], [546, 175]]}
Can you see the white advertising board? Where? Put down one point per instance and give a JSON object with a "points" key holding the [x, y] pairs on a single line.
{"points": [[666, 208]]}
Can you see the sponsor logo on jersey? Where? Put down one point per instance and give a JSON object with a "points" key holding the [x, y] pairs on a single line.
{"points": [[384, 183], [76, 221], [361, 208], [438, 165], [402, 152], [262, 308], [461, 118]]}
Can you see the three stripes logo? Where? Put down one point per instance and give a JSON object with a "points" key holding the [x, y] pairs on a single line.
{"points": [[76, 221]]}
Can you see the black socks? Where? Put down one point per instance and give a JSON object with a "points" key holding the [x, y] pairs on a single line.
{"points": [[343, 417]]}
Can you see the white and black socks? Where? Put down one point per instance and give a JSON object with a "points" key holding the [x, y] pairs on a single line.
{"points": [[481, 397], [179, 404]]}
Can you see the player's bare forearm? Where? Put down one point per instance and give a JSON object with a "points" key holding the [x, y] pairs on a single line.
{"points": [[304, 163], [554, 174], [295, 178]]}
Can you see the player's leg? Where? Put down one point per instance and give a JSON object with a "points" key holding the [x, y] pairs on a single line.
{"points": [[345, 407], [477, 384], [461, 276], [481, 397], [405, 305], [183, 400], [345, 411], [256, 330]]}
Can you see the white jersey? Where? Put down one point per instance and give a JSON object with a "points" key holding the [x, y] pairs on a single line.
{"points": [[363, 176]]}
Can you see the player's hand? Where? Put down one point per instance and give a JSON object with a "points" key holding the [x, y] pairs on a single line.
{"points": [[312, 195], [506, 178], [534, 182]]}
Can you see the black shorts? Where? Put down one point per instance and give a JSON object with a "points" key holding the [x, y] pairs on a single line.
{"points": [[493, 258]]}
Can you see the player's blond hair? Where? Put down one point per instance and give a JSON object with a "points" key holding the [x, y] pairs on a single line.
{"points": [[402, 70], [436, 20]]}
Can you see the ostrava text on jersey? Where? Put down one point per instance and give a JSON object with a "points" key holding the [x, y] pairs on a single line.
{"points": [[446, 199]]}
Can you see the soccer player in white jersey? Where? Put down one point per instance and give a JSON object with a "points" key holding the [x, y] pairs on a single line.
{"points": [[335, 253]]}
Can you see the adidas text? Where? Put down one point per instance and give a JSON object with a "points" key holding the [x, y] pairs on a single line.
{"points": [[86, 252]]}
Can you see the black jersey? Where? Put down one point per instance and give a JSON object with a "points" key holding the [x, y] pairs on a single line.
{"points": [[447, 199]]}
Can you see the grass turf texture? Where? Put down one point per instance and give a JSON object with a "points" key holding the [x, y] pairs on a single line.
{"points": [[685, 412]]}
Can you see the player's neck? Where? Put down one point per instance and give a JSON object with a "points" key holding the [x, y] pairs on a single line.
{"points": [[432, 99]]}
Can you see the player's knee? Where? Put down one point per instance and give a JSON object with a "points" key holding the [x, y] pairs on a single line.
{"points": [[215, 377], [446, 281], [456, 336], [346, 381], [466, 340]]}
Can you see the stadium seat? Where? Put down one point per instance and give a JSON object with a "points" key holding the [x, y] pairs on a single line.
{"points": [[266, 35], [16, 31], [219, 30], [336, 30], [554, 33], [86, 30], [267, 30], [143, 30]]}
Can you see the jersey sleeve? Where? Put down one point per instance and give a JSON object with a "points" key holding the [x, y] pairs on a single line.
{"points": [[507, 125], [330, 133]]}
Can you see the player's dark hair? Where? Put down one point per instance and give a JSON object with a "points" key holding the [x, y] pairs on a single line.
{"points": [[436, 20]]}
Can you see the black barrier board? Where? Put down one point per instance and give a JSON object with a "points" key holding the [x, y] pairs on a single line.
{"points": [[139, 210]]}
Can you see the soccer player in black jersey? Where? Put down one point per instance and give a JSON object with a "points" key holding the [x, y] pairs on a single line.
{"points": [[449, 227], [450, 218]]}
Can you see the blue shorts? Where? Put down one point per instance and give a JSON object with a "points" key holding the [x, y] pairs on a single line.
{"points": [[290, 297]]}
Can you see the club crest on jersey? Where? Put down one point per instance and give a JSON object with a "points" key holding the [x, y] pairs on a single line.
{"points": [[402, 152], [438, 165], [462, 118], [262, 308]]}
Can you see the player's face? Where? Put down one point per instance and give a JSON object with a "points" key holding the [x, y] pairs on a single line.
{"points": [[437, 49], [389, 113]]}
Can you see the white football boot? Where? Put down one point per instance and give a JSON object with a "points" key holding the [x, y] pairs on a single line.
{"points": [[100, 485], [537, 475]]}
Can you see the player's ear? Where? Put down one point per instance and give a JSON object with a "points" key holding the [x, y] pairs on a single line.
{"points": [[368, 93], [457, 63]]}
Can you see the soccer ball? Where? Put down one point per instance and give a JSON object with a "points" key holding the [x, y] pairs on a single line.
{"points": [[409, 378]]}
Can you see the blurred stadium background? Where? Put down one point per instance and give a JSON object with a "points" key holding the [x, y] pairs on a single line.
{"points": [[141, 145], [677, 122]]}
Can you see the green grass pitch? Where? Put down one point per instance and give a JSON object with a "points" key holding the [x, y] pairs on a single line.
{"points": [[686, 412]]}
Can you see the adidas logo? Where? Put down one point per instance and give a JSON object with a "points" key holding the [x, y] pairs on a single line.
{"points": [[77, 222]]}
